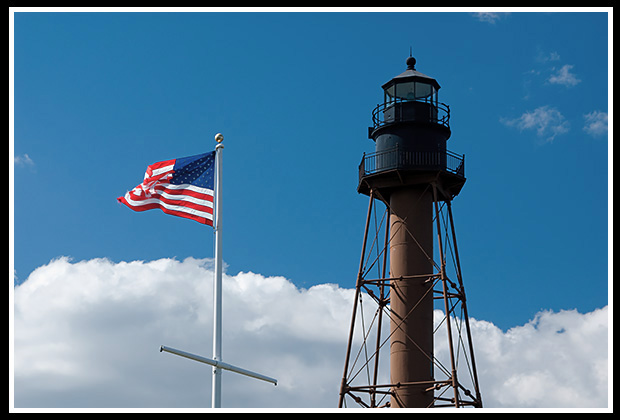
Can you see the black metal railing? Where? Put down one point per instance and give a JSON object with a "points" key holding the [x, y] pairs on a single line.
{"points": [[399, 110], [396, 158]]}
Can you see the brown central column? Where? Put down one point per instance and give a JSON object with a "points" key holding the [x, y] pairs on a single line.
{"points": [[411, 300]]}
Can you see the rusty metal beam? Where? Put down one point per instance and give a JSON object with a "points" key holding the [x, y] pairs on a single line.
{"points": [[357, 292]]}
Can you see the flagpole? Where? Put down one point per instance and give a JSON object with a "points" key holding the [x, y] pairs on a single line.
{"points": [[216, 395], [217, 363]]}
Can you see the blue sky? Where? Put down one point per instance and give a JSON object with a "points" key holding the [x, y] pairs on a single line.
{"points": [[99, 96]]}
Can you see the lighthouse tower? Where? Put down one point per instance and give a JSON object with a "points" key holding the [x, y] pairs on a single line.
{"points": [[413, 175]]}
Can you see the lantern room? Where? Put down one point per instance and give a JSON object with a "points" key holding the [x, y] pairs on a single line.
{"points": [[411, 85]]}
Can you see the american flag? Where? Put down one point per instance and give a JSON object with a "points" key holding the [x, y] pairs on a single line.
{"points": [[182, 187]]}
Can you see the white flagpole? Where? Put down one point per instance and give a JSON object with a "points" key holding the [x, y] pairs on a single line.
{"points": [[216, 362], [216, 395]]}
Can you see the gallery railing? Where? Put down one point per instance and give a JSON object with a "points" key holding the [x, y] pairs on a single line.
{"points": [[418, 110], [395, 158]]}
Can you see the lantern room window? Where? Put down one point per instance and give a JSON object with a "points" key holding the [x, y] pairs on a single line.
{"points": [[411, 91]]}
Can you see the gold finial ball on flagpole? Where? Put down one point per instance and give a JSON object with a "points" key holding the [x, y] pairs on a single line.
{"points": [[219, 137]]}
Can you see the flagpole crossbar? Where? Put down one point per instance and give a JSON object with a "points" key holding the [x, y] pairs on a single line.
{"points": [[219, 364]]}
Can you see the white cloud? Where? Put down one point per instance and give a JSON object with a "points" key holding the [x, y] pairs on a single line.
{"points": [[547, 121], [87, 334], [489, 17], [543, 57], [556, 360], [564, 76], [23, 160], [596, 123]]}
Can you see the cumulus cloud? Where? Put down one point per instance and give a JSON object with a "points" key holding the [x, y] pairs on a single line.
{"points": [[547, 121], [596, 123], [559, 359], [564, 76], [87, 334]]}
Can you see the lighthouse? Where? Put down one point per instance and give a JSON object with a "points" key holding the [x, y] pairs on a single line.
{"points": [[414, 176]]}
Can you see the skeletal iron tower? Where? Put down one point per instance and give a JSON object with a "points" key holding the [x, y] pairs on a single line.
{"points": [[415, 177]]}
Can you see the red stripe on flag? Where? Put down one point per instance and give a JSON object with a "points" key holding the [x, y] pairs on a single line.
{"points": [[157, 165], [174, 202], [151, 206], [184, 191]]}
